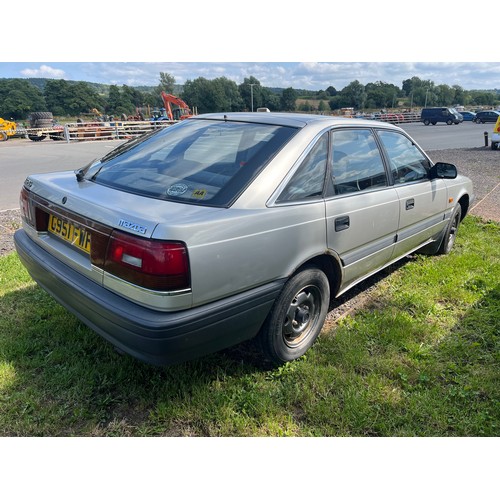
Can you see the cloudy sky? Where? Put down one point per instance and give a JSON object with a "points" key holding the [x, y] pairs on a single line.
{"points": [[305, 75]]}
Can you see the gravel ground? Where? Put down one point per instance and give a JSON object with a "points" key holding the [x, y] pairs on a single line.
{"points": [[482, 165]]}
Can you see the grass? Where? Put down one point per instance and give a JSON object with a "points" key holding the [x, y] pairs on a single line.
{"points": [[421, 359]]}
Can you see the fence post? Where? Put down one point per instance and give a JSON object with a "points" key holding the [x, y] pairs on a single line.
{"points": [[66, 133]]}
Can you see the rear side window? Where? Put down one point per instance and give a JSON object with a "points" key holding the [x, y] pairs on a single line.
{"points": [[309, 179], [203, 162], [407, 162]]}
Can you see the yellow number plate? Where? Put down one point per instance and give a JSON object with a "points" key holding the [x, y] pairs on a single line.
{"points": [[68, 232]]}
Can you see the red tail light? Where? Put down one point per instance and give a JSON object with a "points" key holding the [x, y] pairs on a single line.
{"points": [[24, 203], [153, 264]]}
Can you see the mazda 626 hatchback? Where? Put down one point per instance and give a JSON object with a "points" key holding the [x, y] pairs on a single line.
{"points": [[229, 226]]}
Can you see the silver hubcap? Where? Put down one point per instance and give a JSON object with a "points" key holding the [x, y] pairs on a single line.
{"points": [[302, 315]]}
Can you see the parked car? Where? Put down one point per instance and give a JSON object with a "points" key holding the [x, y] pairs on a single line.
{"points": [[446, 115], [231, 226], [487, 116], [468, 115]]}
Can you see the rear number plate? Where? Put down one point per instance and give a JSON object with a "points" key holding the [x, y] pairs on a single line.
{"points": [[67, 231]]}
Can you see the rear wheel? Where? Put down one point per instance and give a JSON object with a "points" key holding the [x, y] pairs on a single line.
{"points": [[297, 317], [426, 122]]}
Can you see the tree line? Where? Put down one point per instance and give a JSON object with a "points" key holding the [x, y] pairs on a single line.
{"points": [[20, 97]]}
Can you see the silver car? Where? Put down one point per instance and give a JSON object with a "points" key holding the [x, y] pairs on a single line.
{"points": [[229, 226]]}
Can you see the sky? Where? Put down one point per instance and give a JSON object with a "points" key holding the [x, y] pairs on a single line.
{"points": [[299, 75]]}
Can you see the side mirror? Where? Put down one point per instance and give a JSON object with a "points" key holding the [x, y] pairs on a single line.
{"points": [[441, 170]]}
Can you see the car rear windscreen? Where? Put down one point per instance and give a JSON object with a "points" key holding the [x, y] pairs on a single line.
{"points": [[207, 162]]}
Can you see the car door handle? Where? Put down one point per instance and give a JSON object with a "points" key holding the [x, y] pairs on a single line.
{"points": [[342, 223], [410, 204]]}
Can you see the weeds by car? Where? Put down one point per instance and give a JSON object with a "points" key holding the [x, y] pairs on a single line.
{"points": [[231, 226]]}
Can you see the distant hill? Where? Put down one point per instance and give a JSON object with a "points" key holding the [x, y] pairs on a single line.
{"points": [[100, 88]]}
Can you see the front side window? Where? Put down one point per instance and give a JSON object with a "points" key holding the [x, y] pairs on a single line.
{"points": [[408, 164], [206, 162], [357, 163]]}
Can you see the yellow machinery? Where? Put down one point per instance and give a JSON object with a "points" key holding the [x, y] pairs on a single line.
{"points": [[7, 129]]}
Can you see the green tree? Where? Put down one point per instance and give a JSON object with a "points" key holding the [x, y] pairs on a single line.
{"points": [[288, 99], [270, 99], [167, 85], [209, 96], [421, 92], [71, 98], [118, 103], [445, 95], [482, 98], [381, 95], [322, 106], [18, 98], [167, 82], [331, 91], [251, 93], [354, 95], [460, 95]]}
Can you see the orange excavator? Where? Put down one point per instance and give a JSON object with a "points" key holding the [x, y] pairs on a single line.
{"points": [[180, 112]]}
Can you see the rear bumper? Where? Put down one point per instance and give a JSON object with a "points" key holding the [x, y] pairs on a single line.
{"points": [[155, 337]]}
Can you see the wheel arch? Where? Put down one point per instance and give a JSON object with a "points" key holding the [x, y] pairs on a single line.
{"points": [[330, 265], [464, 202]]}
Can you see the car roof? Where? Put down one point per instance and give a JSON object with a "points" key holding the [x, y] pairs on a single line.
{"points": [[298, 120]]}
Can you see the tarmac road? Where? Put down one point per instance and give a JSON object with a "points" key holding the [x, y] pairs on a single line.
{"points": [[22, 157]]}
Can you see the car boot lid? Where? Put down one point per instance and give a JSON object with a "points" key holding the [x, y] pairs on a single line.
{"points": [[128, 212]]}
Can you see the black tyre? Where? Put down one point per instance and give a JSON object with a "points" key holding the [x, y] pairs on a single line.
{"points": [[36, 138], [449, 122], [41, 115], [494, 145], [451, 231], [41, 119], [297, 316], [426, 122]]}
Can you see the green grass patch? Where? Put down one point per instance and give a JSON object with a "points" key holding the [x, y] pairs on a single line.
{"points": [[421, 359]]}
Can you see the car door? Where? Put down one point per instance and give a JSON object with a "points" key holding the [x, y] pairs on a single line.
{"points": [[422, 202], [362, 211]]}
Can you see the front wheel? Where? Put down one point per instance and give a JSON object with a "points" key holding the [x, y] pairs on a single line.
{"points": [[297, 316]]}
